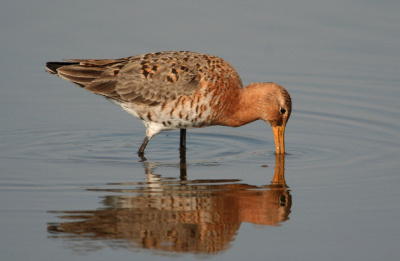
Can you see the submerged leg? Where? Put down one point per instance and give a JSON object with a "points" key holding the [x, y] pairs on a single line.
{"points": [[183, 139], [144, 144], [183, 165]]}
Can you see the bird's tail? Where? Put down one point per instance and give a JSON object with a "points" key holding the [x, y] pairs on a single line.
{"points": [[75, 72], [53, 66]]}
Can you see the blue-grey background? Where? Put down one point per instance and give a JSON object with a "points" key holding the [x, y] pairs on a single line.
{"points": [[340, 61]]}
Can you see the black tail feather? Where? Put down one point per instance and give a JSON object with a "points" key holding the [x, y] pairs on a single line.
{"points": [[53, 66]]}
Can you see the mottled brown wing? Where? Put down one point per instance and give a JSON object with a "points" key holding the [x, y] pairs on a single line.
{"points": [[144, 79]]}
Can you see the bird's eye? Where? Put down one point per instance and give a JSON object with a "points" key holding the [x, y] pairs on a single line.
{"points": [[282, 110]]}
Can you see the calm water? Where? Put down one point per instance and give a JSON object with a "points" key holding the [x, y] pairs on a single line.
{"points": [[73, 188]]}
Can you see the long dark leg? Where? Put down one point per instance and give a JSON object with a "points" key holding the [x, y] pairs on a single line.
{"points": [[183, 139], [144, 144], [183, 166]]}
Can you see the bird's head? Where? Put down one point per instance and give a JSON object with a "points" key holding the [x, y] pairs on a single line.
{"points": [[275, 108]]}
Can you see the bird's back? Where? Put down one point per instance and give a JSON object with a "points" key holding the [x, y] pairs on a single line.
{"points": [[171, 90]]}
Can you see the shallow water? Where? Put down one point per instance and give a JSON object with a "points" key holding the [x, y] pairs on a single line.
{"points": [[73, 188]]}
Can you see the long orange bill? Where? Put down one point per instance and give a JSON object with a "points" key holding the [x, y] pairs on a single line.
{"points": [[279, 134]]}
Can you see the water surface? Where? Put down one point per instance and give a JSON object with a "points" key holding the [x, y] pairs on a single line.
{"points": [[73, 188]]}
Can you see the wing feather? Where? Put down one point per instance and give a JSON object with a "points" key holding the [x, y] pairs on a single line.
{"points": [[143, 79]]}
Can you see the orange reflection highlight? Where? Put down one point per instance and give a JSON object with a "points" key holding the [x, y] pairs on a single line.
{"points": [[191, 216]]}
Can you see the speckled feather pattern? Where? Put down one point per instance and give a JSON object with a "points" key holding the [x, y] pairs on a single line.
{"points": [[166, 90], [180, 90]]}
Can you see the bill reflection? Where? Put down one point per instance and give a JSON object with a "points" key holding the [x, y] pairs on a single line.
{"points": [[175, 215]]}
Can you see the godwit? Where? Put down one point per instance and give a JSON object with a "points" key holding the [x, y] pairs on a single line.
{"points": [[180, 90]]}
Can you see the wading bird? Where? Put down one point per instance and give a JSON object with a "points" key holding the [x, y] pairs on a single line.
{"points": [[180, 90]]}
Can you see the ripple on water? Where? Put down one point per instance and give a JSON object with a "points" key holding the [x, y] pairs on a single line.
{"points": [[114, 146], [352, 143], [315, 139]]}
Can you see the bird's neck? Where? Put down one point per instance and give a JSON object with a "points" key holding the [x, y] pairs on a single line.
{"points": [[245, 108]]}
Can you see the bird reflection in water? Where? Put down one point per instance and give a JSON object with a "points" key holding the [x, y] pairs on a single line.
{"points": [[175, 215]]}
